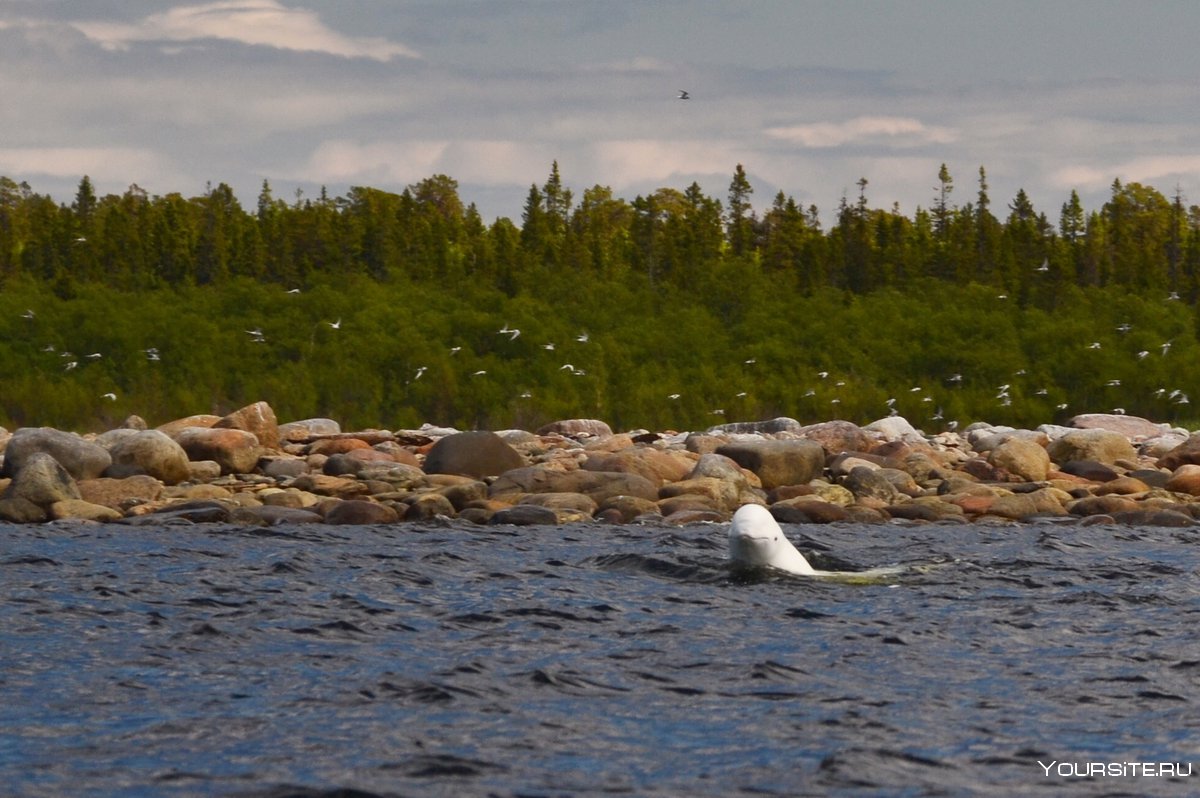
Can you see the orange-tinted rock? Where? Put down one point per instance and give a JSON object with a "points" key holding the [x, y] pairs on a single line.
{"points": [[257, 418], [1185, 453], [1185, 479], [332, 446], [235, 451], [115, 493], [972, 505], [838, 436], [1122, 486], [653, 464]]}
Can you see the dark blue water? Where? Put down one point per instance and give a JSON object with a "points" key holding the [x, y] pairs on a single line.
{"points": [[593, 660]]}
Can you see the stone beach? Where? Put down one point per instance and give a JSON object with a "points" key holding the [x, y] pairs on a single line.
{"points": [[247, 468]]}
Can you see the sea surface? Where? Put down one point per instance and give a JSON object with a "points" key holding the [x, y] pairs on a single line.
{"points": [[591, 660]]}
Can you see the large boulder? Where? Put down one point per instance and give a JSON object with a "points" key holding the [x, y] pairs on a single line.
{"points": [[838, 436], [894, 428], [656, 465], [1134, 427], [472, 454], [153, 453], [82, 459], [235, 451], [307, 428], [200, 420], [1021, 457], [42, 481], [867, 483], [1185, 479], [1101, 445], [258, 418], [770, 427], [1185, 453], [778, 462], [116, 493], [361, 511]]}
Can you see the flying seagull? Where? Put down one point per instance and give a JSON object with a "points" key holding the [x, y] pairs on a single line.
{"points": [[683, 95]]}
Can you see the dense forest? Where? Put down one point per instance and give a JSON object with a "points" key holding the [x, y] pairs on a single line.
{"points": [[675, 310]]}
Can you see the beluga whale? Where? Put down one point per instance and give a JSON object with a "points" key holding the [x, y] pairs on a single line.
{"points": [[757, 541]]}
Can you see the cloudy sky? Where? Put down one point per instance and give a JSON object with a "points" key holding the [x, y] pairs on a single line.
{"points": [[1048, 95]]}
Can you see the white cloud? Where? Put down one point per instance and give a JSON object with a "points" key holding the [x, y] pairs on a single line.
{"points": [[482, 162], [642, 160], [1149, 170], [372, 163], [265, 23], [897, 130], [110, 165]]}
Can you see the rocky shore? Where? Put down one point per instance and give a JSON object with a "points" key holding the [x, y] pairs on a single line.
{"points": [[247, 468]]}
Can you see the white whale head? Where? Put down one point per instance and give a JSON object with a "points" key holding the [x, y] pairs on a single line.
{"points": [[755, 540]]}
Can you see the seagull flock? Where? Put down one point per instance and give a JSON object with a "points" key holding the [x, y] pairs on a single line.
{"points": [[1003, 395]]}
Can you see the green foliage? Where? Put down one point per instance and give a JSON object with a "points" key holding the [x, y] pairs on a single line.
{"points": [[667, 311]]}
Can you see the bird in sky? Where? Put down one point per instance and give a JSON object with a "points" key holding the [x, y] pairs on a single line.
{"points": [[683, 95]]}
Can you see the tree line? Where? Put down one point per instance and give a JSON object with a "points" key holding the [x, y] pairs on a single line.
{"points": [[673, 309]]}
